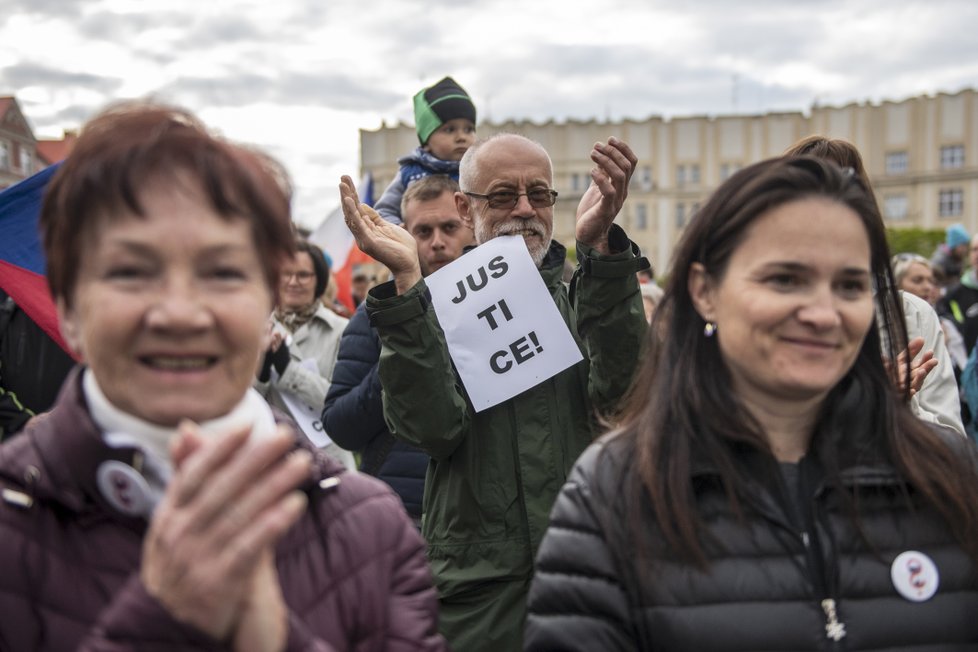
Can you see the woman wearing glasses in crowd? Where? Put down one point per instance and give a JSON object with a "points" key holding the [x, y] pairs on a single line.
{"points": [[767, 488], [305, 339], [914, 274], [159, 506]]}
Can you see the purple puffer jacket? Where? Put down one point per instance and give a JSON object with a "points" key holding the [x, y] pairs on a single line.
{"points": [[352, 571]]}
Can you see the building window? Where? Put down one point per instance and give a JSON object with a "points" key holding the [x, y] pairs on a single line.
{"points": [[680, 215], [641, 217], [727, 170], [896, 163], [950, 202], [26, 161], [645, 178], [575, 181], [680, 175], [694, 173], [4, 156], [895, 207], [952, 156]]}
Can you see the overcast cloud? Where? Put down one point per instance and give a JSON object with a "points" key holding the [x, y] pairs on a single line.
{"points": [[301, 77]]}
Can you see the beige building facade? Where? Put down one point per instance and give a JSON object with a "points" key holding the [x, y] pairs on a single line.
{"points": [[921, 154]]}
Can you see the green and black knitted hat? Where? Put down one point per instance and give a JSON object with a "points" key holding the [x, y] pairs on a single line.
{"points": [[436, 105]]}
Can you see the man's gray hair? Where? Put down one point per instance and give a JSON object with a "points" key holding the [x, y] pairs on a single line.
{"points": [[468, 167]]}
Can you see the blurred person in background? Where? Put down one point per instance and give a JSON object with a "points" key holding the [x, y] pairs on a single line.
{"points": [[651, 295], [305, 339], [950, 257], [959, 303], [913, 273]]}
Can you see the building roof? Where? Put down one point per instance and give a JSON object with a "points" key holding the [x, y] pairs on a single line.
{"points": [[6, 102], [52, 151]]}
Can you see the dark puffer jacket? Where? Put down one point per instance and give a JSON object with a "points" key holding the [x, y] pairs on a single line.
{"points": [[353, 415], [352, 570], [766, 582]]}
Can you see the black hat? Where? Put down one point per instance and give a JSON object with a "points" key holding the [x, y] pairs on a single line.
{"points": [[436, 105]]}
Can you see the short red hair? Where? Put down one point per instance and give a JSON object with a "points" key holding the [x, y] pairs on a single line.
{"points": [[130, 145]]}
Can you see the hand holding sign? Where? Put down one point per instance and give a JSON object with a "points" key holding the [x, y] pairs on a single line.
{"points": [[385, 242], [503, 329], [604, 198]]}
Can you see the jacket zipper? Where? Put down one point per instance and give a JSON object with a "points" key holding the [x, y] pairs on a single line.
{"points": [[835, 630]]}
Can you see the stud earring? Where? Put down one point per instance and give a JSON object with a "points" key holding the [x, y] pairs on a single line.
{"points": [[710, 328]]}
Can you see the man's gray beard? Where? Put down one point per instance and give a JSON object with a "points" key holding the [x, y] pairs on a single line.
{"points": [[538, 248]]}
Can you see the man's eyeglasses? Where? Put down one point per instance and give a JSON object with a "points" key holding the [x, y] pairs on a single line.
{"points": [[507, 199], [301, 277]]}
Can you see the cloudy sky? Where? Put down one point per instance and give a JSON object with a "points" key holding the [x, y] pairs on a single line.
{"points": [[301, 77]]}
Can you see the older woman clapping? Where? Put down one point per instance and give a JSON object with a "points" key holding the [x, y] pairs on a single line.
{"points": [[158, 505], [768, 489]]}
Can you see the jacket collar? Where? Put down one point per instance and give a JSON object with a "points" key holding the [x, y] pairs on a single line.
{"points": [[870, 473], [56, 458], [552, 267], [427, 159]]}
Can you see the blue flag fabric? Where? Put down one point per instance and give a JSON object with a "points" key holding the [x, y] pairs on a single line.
{"points": [[22, 262]]}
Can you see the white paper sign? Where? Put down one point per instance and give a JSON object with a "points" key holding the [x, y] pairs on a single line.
{"points": [[307, 418], [503, 329]]}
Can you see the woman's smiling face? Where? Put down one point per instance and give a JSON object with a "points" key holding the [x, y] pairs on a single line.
{"points": [[170, 308], [794, 303]]}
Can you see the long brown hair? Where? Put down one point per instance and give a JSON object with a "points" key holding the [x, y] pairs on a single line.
{"points": [[681, 409]]}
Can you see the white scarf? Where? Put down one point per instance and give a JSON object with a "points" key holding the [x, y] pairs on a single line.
{"points": [[121, 429]]}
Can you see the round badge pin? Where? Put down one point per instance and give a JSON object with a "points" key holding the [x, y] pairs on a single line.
{"points": [[124, 488], [915, 576]]}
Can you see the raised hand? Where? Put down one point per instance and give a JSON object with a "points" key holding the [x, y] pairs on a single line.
{"points": [[209, 543], [385, 242], [601, 203], [918, 368]]}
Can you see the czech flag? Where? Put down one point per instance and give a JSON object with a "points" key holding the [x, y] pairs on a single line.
{"points": [[22, 262]]}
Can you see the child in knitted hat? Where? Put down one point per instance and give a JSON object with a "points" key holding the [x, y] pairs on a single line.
{"points": [[444, 118]]}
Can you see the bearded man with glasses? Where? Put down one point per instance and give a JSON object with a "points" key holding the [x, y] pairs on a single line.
{"points": [[494, 474]]}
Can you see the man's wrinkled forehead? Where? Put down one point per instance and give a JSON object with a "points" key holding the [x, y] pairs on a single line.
{"points": [[510, 160]]}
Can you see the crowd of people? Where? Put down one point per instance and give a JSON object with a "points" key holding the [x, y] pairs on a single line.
{"points": [[773, 450]]}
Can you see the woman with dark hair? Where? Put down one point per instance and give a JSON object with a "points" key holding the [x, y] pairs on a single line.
{"points": [[158, 505], [767, 488], [295, 372]]}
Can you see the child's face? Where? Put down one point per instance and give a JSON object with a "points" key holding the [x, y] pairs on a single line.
{"points": [[449, 141]]}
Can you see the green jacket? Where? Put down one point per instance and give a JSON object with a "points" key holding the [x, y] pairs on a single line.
{"points": [[494, 475]]}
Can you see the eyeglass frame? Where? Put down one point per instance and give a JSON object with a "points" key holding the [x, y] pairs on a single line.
{"points": [[302, 276], [551, 193], [910, 256]]}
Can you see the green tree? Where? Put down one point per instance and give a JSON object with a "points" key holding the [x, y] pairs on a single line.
{"points": [[914, 240]]}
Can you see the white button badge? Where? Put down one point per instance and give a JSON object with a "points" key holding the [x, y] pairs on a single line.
{"points": [[125, 488], [915, 576]]}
